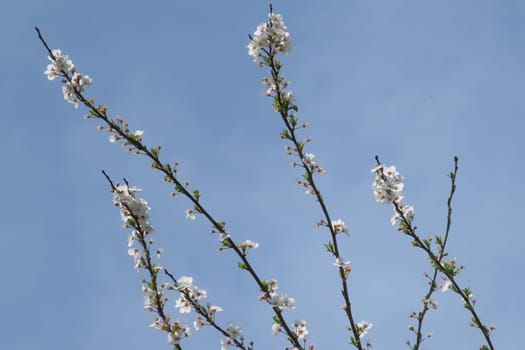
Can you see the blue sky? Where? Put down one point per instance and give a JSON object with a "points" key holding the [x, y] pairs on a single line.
{"points": [[414, 82]]}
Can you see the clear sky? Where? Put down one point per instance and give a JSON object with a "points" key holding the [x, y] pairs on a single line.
{"points": [[416, 82]]}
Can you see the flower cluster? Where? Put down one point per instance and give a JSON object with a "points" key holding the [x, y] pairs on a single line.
{"points": [[177, 332], [309, 161], [133, 211], [74, 82], [388, 188], [271, 35], [311, 166], [277, 87], [299, 328], [235, 334], [189, 294], [189, 297]]}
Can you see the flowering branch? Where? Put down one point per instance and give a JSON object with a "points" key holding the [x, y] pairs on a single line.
{"points": [[134, 214], [73, 92], [265, 44], [388, 188], [232, 333], [432, 280]]}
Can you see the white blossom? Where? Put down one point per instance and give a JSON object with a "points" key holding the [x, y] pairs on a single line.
{"points": [[388, 188], [299, 328], [198, 323], [132, 208], [276, 328], [149, 298], [363, 327], [225, 343], [248, 244], [388, 184], [269, 35], [190, 214], [184, 282], [340, 262], [183, 304], [282, 301], [73, 81], [234, 332], [137, 258], [446, 285], [339, 226], [178, 332]]}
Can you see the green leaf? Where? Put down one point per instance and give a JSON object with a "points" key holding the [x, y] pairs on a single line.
{"points": [[155, 151], [293, 121], [241, 265], [329, 247]]}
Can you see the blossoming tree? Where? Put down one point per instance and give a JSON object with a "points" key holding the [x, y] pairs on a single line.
{"points": [[160, 286]]}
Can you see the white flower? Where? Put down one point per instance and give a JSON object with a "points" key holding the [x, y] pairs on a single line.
{"points": [[248, 244], [269, 34], [74, 82], [339, 226], [309, 159], [282, 301], [387, 184], [149, 298], [446, 285], [276, 328], [388, 188], [299, 327], [363, 327], [173, 339], [190, 214], [198, 323], [60, 63], [340, 262], [178, 332], [183, 305], [132, 208], [156, 324], [225, 343], [212, 309], [234, 332], [184, 282], [408, 213], [137, 259]]}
